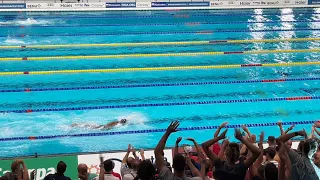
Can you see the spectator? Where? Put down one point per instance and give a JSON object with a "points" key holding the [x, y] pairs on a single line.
{"points": [[146, 171], [179, 161], [61, 169], [301, 167], [83, 172], [270, 153], [17, 172], [271, 171], [272, 141], [126, 166], [106, 171], [231, 168], [133, 173]]}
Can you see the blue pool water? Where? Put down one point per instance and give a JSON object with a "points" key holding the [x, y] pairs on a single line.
{"points": [[55, 28]]}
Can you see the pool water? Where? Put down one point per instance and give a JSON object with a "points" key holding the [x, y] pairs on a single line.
{"points": [[36, 105]]}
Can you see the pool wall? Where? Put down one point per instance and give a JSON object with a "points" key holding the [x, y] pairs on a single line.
{"points": [[163, 5]]}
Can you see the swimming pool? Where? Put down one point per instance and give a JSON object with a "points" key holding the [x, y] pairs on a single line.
{"points": [[153, 67]]}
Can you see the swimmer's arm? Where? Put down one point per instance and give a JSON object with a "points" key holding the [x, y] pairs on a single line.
{"points": [[124, 161]]}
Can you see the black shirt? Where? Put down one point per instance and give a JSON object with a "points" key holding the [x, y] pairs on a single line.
{"points": [[230, 172], [56, 177]]}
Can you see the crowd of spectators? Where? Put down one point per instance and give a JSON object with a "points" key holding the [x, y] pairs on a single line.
{"points": [[216, 158]]}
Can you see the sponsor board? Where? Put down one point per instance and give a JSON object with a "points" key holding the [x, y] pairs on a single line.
{"points": [[39, 5], [313, 2], [295, 2], [143, 4], [44, 166], [93, 160], [120, 5], [224, 3], [260, 3], [179, 4], [13, 6]]}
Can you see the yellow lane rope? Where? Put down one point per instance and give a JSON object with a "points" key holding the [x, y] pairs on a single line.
{"points": [[161, 68], [158, 55], [160, 43]]}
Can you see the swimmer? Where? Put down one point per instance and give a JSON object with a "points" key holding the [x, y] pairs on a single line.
{"points": [[103, 127]]}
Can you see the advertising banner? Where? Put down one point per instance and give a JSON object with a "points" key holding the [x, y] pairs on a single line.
{"points": [[179, 4], [143, 4], [224, 3], [44, 166], [314, 2], [295, 2], [120, 5], [13, 6], [260, 3], [93, 160]]}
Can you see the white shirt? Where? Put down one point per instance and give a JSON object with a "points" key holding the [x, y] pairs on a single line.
{"points": [[130, 176], [108, 177]]}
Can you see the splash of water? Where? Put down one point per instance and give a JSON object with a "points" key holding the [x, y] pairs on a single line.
{"points": [[27, 22]]}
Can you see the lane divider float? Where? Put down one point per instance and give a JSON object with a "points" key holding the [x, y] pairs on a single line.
{"points": [[173, 68], [161, 43], [165, 32], [145, 131], [158, 55], [164, 104], [162, 24], [158, 85]]}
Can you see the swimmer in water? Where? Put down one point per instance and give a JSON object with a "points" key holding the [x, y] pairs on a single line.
{"points": [[103, 127]]}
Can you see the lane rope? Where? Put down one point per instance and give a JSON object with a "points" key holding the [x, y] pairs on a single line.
{"points": [[161, 43], [155, 16], [173, 68], [162, 24], [165, 32], [163, 104], [157, 55], [113, 133], [158, 85]]}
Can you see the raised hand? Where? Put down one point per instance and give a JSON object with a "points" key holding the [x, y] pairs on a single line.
{"points": [[129, 148], [291, 127], [279, 123], [223, 134], [302, 133], [244, 127], [141, 151], [33, 174], [317, 124], [261, 136], [190, 139], [173, 127], [178, 140], [223, 125], [237, 134]]}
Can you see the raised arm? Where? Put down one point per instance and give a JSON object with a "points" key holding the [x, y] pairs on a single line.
{"points": [[198, 148], [25, 169], [289, 129], [124, 160], [207, 144], [281, 128], [286, 137], [176, 148], [316, 130], [244, 127], [195, 172], [223, 148], [260, 144], [142, 154], [223, 125], [252, 148], [160, 147], [284, 171], [134, 153]]}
